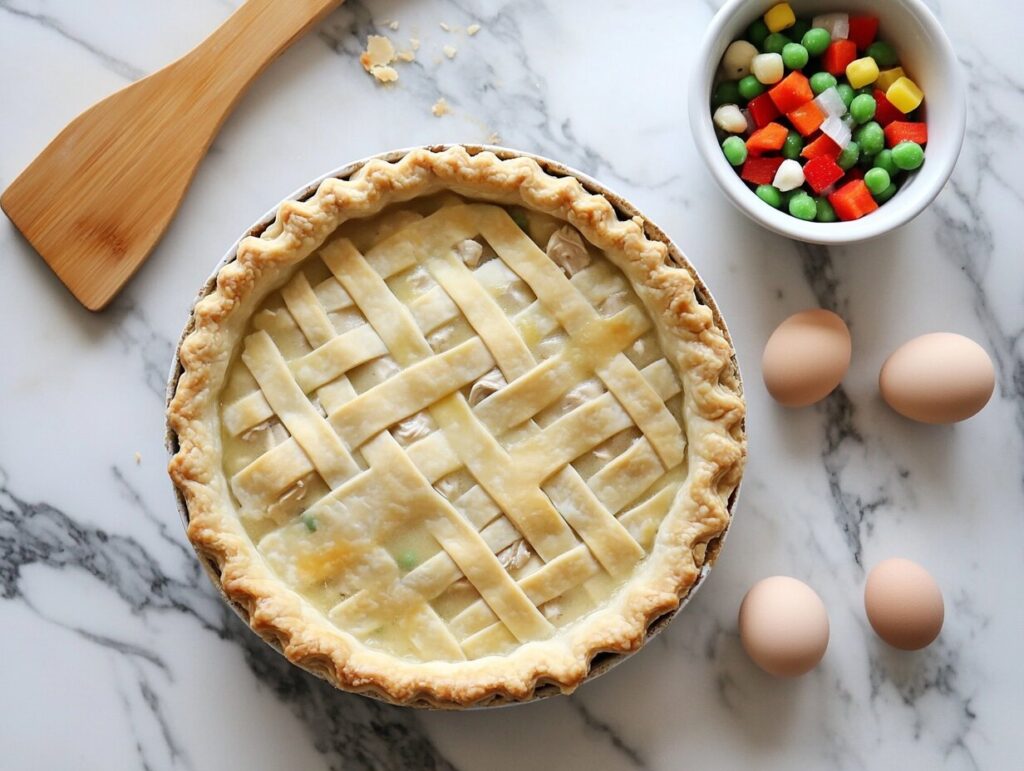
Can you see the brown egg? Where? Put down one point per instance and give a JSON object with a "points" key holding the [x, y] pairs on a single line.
{"points": [[783, 626], [904, 604], [938, 378], [806, 357]]}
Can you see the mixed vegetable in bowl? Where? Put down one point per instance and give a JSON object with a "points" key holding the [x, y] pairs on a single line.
{"points": [[817, 115]]}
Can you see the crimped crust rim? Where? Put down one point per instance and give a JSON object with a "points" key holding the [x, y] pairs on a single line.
{"points": [[697, 346]]}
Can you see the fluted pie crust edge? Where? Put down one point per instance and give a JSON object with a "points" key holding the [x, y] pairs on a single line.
{"points": [[698, 349]]}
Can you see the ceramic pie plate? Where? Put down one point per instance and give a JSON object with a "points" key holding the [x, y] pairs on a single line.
{"points": [[603, 661]]}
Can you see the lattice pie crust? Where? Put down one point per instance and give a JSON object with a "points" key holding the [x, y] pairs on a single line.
{"points": [[444, 447]]}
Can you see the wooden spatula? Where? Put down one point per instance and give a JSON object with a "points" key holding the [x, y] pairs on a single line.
{"points": [[98, 198]]}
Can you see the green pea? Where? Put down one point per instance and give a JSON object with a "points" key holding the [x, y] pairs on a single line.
{"points": [[908, 156], [862, 108], [848, 157], [883, 54], [750, 87], [794, 56], [803, 207], [775, 42], [792, 146], [815, 40], [870, 138], [821, 81], [799, 29], [884, 161], [726, 92], [407, 560], [825, 212], [757, 32], [846, 94], [877, 180], [886, 194], [735, 150], [770, 195]]}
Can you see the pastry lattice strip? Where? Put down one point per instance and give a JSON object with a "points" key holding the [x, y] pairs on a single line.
{"points": [[398, 330]]}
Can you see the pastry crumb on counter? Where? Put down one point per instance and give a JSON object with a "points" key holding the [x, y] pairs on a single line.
{"points": [[445, 27], [377, 57], [494, 138], [440, 107], [450, 51], [385, 74], [138, 458], [379, 51], [393, 25], [406, 56], [414, 43], [472, 29]]}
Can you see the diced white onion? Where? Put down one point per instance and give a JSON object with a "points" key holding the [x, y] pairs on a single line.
{"points": [[837, 131], [837, 24], [830, 102]]}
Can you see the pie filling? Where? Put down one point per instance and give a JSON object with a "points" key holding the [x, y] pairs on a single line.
{"points": [[452, 429]]}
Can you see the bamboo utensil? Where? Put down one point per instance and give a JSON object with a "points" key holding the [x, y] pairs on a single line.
{"points": [[95, 202]]}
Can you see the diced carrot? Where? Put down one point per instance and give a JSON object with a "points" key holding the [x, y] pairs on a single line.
{"points": [[838, 55], [791, 92], [767, 139], [852, 201], [821, 172], [763, 110], [822, 147], [761, 171], [806, 118], [885, 112], [863, 30], [905, 131]]}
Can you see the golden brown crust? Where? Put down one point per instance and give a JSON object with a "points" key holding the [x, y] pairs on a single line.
{"points": [[692, 341]]}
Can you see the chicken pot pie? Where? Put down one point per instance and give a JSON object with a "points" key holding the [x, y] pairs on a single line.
{"points": [[452, 427]]}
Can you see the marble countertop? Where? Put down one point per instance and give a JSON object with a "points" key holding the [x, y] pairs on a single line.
{"points": [[119, 654]]}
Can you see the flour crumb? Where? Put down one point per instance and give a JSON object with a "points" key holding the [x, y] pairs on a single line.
{"points": [[138, 458], [414, 43], [445, 27], [449, 51], [393, 25], [440, 107], [406, 56], [472, 29]]}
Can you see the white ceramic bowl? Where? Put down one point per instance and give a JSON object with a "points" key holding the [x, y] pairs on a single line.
{"points": [[925, 53]]}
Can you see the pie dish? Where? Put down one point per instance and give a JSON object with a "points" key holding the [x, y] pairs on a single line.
{"points": [[452, 427]]}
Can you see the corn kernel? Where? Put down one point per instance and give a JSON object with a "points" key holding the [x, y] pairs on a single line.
{"points": [[887, 77], [862, 72], [780, 17], [904, 95]]}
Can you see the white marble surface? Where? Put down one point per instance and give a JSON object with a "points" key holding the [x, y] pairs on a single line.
{"points": [[117, 652]]}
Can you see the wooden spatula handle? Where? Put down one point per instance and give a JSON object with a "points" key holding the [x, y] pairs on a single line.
{"points": [[98, 198], [252, 37]]}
